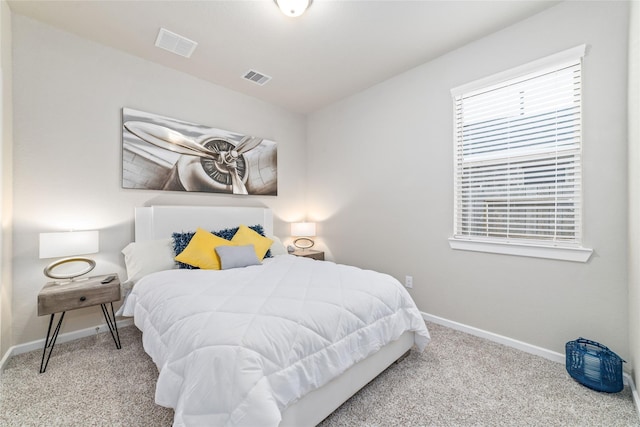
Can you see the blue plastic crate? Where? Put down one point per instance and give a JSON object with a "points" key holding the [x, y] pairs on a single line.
{"points": [[594, 365]]}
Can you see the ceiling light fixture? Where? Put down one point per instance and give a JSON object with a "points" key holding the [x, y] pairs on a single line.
{"points": [[293, 8]]}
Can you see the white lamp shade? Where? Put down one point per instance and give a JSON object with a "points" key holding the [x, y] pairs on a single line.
{"points": [[293, 8], [70, 243], [303, 229]]}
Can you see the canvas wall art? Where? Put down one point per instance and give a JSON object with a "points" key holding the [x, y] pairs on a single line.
{"points": [[161, 153]]}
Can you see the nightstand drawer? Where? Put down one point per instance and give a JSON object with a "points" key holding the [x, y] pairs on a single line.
{"points": [[56, 298]]}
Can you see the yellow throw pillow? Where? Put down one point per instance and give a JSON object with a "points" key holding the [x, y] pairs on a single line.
{"points": [[201, 250], [246, 236]]}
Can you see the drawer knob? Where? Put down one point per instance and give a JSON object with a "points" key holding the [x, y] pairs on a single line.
{"points": [[83, 298]]}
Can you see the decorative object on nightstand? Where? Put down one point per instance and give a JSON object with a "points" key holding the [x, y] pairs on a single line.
{"points": [[68, 244], [303, 231], [309, 253], [60, 298]]}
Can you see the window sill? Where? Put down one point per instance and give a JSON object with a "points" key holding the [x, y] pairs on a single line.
{"points": [[576, 254]]}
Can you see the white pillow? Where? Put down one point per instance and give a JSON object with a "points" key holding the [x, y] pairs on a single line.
{"points": [[142, 258], [277, 248]]}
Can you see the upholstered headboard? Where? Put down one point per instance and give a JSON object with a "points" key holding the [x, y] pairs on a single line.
{"points": [[157, 222]]}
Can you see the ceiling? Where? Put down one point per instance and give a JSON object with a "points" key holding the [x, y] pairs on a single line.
{"points": [[337, 48]]}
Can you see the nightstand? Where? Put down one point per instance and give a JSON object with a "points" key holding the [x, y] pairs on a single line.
{"points": [[309, 253], [60, 298]]}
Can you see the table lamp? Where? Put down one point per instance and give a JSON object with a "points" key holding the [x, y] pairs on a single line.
{"points": [[68, 244], [303, 231]]}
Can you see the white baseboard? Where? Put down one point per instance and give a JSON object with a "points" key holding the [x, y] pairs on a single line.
{"points": [[628, 379], [509, 342], [64, 337], [523, 346], [5, 359]]}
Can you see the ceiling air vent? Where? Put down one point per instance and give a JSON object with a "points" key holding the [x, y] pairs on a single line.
{"points": [[175, 43], [256, 77]]}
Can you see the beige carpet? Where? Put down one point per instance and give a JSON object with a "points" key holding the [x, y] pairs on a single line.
{"points": [[460, 380]]}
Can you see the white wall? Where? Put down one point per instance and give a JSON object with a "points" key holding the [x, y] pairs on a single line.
{"points": [[6, 180], [634, 189], [380, 180], [68, 96]]}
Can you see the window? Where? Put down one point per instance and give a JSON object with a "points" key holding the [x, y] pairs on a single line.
{"points": [[518, 175]]}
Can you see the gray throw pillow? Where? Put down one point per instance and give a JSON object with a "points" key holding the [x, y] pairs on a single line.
{"points": [[237, 256]]}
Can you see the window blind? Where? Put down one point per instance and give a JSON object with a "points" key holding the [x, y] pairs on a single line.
{"points": [[518, 157]]}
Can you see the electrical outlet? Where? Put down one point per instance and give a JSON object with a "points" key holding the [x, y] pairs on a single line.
{"points": [[408, 281]]}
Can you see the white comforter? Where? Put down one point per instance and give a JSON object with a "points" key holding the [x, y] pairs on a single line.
{"points": [[236, 347]]}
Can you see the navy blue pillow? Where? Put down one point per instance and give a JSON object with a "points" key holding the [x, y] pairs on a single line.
{"points": [[181, 240], [226, 233]]}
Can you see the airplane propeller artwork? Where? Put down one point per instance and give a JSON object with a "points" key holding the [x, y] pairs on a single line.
{"points": [[172, 140]]}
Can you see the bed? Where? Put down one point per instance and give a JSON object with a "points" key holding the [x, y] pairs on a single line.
{"points": [[284, 342]]}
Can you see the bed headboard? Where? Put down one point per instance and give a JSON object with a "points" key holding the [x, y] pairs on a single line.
{"points": [[158, 222]]}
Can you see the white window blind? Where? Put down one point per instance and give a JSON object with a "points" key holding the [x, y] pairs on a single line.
{"points": [[518, 155]]}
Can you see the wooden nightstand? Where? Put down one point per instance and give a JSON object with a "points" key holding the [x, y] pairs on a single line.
{"points": [[60, 298], [309, 253]]}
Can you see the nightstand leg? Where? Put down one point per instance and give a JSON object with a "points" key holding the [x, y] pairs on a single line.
{"points": [[50, 342], [111, 323]]}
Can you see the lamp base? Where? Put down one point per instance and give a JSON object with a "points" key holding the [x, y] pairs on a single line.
{"points": [[70, 277], [309, 243]]}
